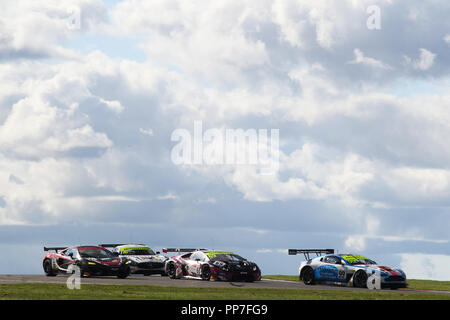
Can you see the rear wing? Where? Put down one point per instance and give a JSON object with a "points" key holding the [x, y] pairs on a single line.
{"points": [[54, 248], [307, 252], [110, 245], [166, 250], [113, 245]]}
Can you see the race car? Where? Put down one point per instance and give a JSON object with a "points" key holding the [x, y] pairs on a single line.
{"points": [[347, 269], [143, 260], [207, 264], [92, 261]]}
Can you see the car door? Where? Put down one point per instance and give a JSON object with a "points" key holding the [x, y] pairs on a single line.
{"points": [[342, 270], [331, 269], [193, 264], [67, 260]]}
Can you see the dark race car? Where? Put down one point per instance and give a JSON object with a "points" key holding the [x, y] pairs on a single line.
{"points": [[92, 260], [143, 260], [216, 265]]}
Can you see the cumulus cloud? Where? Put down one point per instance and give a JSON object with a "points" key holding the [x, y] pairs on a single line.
{"points": [[425, 61], [447, 38], [19, 22], [426, 266], [371, 62]]}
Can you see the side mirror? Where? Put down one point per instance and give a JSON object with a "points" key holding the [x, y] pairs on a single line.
{"points": [[157, 252], [343, 262], [115, 254], [70, 255], [198, 260]]}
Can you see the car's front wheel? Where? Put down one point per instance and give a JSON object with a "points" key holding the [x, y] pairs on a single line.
{"points": [[308, 276]]}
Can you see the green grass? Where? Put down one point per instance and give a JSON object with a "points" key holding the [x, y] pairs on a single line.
{"points": [[50, 291], [412, 284]]}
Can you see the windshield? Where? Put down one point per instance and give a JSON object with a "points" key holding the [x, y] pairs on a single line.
{"points": [[141, 251], [354, 260], [224, 256], [95, 252]]}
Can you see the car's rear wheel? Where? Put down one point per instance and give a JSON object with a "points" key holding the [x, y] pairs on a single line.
{"points": [[172, 270], [48, 268], [308, 275], [206, 272], [360, 279]]}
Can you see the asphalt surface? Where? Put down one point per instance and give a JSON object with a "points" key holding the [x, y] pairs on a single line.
{"points": [[167, 282]]}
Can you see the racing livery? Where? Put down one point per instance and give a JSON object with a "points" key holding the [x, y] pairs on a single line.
{"points": [[143, 260], [346, 269], [92, 260], [216, 265]]}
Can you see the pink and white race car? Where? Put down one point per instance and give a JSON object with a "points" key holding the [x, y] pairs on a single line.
{"points": [[207, 264]]}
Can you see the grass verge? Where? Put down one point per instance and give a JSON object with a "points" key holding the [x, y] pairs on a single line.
{"points": [[49, 291], [412, 284]]}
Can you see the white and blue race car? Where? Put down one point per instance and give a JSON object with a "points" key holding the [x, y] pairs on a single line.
{"points": [[346, 269]]}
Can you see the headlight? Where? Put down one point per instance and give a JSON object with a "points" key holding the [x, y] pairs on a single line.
{"points": [[91, 263], [255, 268]]}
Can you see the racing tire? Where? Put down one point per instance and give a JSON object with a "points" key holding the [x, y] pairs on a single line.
{"points": [[206, 273], [48, 268], [360, 279], [124, 273], [308, 276], [172, 271], [84, 270]]}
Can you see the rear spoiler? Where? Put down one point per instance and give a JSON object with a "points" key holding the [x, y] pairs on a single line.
{"points": [[54, 248], [113, 245], [307, 252], [166, 250], [110, 245]]}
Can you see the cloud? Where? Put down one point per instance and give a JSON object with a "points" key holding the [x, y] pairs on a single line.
{"points": [[361, 59], [19, 23], [447, 38], [426, 266], [357, 243], [425, 61]]}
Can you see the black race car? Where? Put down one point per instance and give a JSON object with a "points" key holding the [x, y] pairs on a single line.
{"points": [[92, 260], [216, 265], [143, 260]]}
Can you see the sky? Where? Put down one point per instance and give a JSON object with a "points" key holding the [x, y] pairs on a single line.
{"points": [[91, 93]]}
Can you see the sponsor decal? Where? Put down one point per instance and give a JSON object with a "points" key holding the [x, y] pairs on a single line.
{"points": [[127, 249], [327, 272], [215, 254], [353, 259], [389, 270]]}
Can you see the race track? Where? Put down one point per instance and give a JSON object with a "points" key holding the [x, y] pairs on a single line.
{"points": [[167, 282]]}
